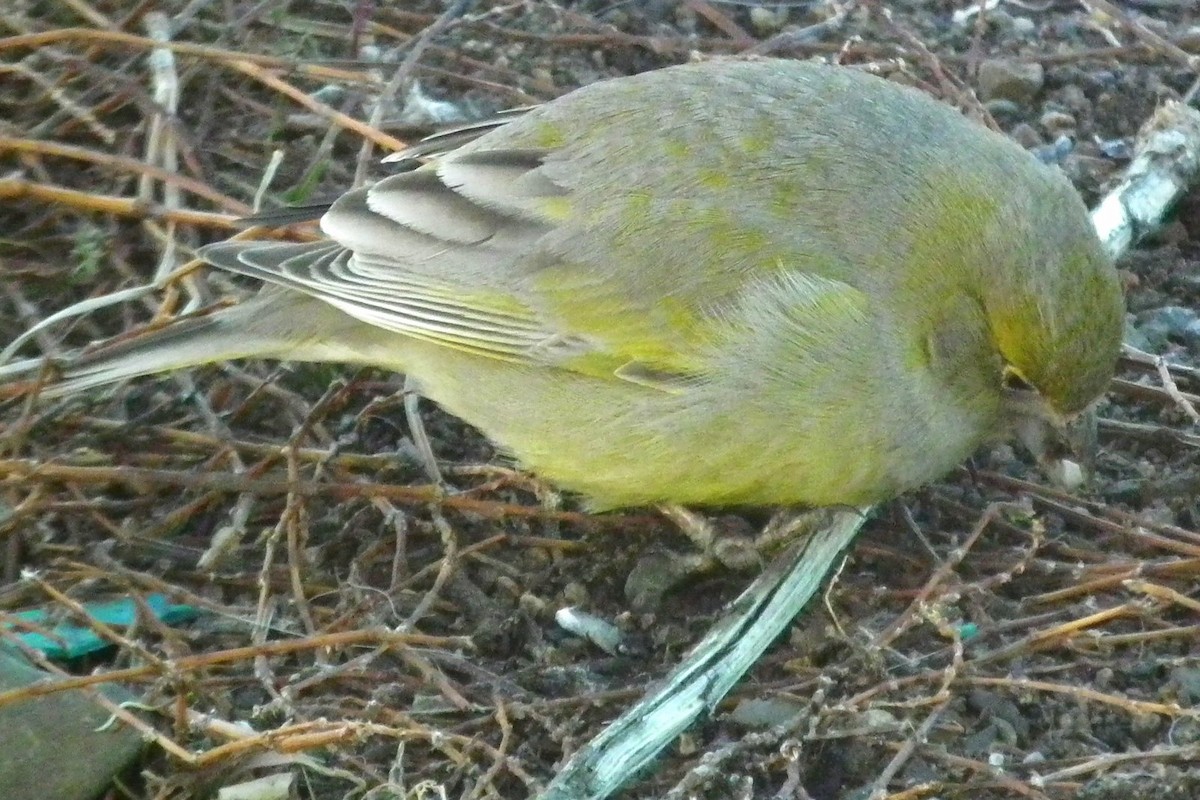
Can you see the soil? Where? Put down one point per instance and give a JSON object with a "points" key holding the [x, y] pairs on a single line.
{"points": [[1057, 657]]}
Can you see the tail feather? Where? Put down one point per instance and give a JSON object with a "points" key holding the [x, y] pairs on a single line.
{"points": [[186, 343], [272, 325]]}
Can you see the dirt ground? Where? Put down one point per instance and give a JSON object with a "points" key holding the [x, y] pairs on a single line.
{"points": [[1057, 656]]}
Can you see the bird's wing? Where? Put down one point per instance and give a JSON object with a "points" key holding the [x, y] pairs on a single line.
{"points": [[450, 139], [596, 233], [417, 256], [409, 158]]}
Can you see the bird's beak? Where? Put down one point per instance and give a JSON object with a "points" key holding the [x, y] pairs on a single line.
{"points": [[1065, 448]]}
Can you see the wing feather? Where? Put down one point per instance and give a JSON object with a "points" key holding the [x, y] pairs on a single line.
{"points": [[534, 241]]}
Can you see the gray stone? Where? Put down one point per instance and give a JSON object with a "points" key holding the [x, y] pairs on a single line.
{"points": [[61, 745], [1055, 122], [1003, 79]]}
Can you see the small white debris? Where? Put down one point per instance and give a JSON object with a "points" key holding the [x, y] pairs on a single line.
{"points": [[599, 632]]}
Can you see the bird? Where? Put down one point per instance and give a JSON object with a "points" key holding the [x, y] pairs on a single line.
{"points": [[720, 284]]}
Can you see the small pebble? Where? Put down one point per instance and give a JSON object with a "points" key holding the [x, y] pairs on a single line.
{"points": [[1073, 99], [1066, 473], [1187, 684], [1119, 149], [1056, 122], [1024, 27], [1191, 335], [1137, 338], [766, 712], [1003, 109], [1003, 79], [1189, 40], [1056, 151], [1143, 727], [1026, 135], [1157, 327], [767, 21]]}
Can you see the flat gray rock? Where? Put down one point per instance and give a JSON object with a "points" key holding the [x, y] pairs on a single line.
{"points": [[50, 745]]}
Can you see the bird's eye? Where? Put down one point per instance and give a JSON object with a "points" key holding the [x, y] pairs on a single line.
{"points": [[1014, 381]]}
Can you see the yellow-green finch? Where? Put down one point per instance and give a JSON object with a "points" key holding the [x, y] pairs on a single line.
{"points": [[728, 283]]}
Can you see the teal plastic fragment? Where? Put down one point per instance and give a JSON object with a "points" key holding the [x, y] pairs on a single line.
{"points": [[71, 641]]}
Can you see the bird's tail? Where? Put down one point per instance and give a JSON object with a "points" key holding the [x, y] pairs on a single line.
{"points": [[263, 327]]}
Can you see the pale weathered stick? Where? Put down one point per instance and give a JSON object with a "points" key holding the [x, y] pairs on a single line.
{"points": [[714, 665], [1166, 164]]}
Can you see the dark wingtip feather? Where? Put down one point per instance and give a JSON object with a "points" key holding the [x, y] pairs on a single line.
{"points": [[288, 215]]}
